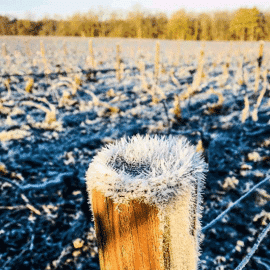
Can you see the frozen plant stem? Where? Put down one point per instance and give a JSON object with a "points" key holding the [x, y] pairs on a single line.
{"points": [[260, 56], [43, 54], [157, 62], [198, 76], [4, 50], [259, 64], [245, 112], [91, 54], [145, 196], [118, 62], [256, 107]]}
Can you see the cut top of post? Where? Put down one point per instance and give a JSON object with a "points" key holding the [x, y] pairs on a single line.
{"points": [[154, 170]]}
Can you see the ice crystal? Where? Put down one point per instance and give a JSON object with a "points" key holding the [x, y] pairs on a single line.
{"points": [[154, 169]]}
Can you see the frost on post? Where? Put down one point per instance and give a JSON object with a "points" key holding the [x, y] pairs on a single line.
{"points": [[165, 173]]}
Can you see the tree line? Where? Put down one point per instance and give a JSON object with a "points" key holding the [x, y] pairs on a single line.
{"points": [[243, 24]]}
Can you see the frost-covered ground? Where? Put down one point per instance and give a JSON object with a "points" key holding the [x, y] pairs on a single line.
{"points": [[49, 136]]}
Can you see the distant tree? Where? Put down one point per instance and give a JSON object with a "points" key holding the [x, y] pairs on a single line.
{"points": [[178, 25], [91, 24], [114, 26], [157, 26], [135, 19], [248, 24], [267, 25], [205, 27], [25, 27], [4, 26], [48, 28], [244, 24], [221, 26]]}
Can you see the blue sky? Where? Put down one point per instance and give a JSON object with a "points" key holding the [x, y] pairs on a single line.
{"points": [[39, 8]]}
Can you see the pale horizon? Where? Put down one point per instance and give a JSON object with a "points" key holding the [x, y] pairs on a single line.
{"points": [[40, 8]]}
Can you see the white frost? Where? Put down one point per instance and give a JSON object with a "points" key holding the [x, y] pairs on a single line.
{"points": [[153, 169]]}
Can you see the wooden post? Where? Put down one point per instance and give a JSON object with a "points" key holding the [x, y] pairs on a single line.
{"points": [[145, 196]]}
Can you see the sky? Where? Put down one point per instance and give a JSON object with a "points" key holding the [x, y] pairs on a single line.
{"points": [[36, 9]]}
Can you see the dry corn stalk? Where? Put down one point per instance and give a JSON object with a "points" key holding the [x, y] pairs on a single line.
{"points": [[240, 73], [142, 67], [260, 56], [15, 134], [118, 62], [256, 107], [245, 112], [216, 107], [4, 50], [91, 54], [121, 70], [157, 62], [225, 72], [142, 75], [78, 80], [188, 93], [219, 94], [257, 78], [199, 146], [76, 85], [157, 94], [65, 49], [110, 93], [42, 49], [43, 54], [199, 73], [29, 85], [66, 100], [178, 58], [145, 196], [159, 91], [258, 66], [139, 53], [224, 78], [97, 102], [27, 48], [95, 99], [4, 110], [50, 114], [246, 76], [7, 85], [174, 80], [132, 52], [176, 107]]}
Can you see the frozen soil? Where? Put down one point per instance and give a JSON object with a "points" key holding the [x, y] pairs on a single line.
{"points": [[45, 217]]}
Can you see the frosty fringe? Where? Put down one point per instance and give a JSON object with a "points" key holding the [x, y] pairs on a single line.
{"points": [[155, 171]]}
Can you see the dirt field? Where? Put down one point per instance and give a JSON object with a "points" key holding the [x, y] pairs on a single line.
{"points": [[52, 127]]}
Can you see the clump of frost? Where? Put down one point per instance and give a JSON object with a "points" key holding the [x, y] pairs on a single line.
{"points": [[152, 169]]}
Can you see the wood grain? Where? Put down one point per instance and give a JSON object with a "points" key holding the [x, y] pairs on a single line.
{"points": [[131, 239]]}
